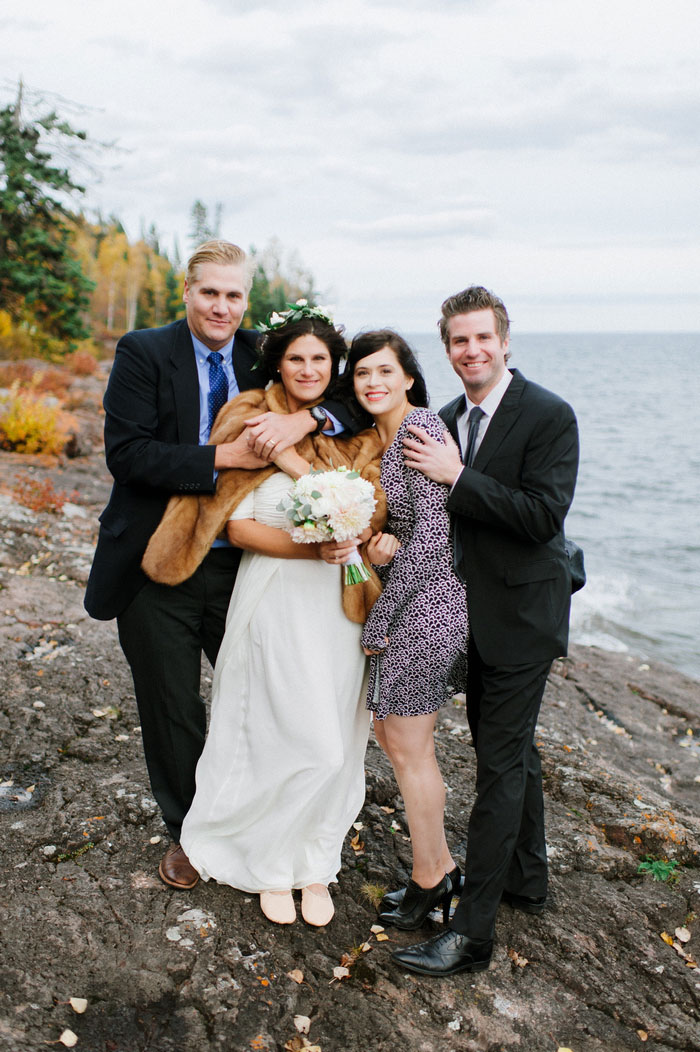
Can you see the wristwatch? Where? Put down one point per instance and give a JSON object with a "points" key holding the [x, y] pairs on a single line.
{"points": [[320, 416]]}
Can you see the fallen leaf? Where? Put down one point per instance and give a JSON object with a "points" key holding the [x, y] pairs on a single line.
{"points": [[68, 1038], [642, 1035], [78, 1004], [682, 934], [388, 810], [517, 958], [296, 1044], [302, 1023], [376, 928], [365, 947], [299, 1043], [381, 937], [670, 941], [296, 975], [356, 844], [155, 840], [358, 826], [347, 959], [30, 789], [340, 972], [563, 1048]]}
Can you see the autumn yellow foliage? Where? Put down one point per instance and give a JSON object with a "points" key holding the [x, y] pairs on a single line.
{"points": [[28, 424]]}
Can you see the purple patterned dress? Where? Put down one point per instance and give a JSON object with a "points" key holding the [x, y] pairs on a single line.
{"points": [[423, 606]]}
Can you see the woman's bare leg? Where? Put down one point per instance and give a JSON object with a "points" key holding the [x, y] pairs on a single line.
{"points": [[408, 742]]}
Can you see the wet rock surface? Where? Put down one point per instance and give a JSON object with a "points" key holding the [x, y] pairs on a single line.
{"points": [[610, 964]]}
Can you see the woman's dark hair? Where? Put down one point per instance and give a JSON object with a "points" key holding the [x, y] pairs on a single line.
{"points": [[366, 343], [276, 341]]}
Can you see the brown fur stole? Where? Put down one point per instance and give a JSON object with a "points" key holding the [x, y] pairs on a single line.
{"points": [[191, 523]]}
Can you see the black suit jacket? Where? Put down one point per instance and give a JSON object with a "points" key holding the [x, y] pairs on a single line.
{"points": [[152, 449], [509, 511]]}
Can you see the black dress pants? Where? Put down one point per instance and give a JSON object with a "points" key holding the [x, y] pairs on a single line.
{"points": [[506, 839], [163, 632]]}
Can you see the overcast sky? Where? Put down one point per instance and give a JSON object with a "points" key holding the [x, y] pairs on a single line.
{"points": [[405, 149]]}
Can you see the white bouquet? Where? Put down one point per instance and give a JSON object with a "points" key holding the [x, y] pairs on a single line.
{"points": [[333, 505]]}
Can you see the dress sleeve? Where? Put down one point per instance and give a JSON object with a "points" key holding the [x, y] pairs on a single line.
{"points": [[415, 563]]}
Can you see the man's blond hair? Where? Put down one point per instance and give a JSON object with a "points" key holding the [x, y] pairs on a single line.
{"points": [[222, 252]]}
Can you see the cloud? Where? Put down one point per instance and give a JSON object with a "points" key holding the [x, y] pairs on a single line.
{"points": [[455, 223]]}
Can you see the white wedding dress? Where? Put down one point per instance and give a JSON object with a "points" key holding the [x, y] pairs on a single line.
{"points": [[281, 778]]}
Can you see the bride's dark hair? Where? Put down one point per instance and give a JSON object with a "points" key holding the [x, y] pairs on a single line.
{"points": [[366, 343], [276, 341]]}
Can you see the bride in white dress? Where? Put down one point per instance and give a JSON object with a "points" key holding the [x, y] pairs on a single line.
{"points": [[281, 777]]}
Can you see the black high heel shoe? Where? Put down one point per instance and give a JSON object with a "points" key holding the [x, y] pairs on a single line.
{"points": [[417, 903], [393, 898]]}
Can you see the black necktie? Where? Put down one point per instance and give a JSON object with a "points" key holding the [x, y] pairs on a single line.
{"points": [[473, 420], [218, 386]]}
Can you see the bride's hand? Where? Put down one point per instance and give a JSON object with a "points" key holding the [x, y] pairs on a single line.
{"points": [[382, 548], [238, 454], [337, 552], [271, 433]]}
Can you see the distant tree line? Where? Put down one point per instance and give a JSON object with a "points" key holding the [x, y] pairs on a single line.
{"points": [[65, 278]]}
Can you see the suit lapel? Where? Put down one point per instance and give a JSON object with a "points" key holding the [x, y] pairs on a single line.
{"points": [[503, 419], [449, 414], [185, 382], [245, 360]]}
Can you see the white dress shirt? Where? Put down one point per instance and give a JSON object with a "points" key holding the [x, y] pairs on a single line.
{"points": [[488, 407]]}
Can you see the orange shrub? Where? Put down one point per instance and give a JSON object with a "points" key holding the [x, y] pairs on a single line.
{"points": [[40, 494], [29, 425], [51, 381], [82, 363], [12, 371]]}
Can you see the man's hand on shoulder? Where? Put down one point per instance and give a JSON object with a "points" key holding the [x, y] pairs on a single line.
{"points": [[272, 433], [440, 461]]}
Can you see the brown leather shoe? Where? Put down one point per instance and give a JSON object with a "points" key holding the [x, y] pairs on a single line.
{"points": [[176, 870]]}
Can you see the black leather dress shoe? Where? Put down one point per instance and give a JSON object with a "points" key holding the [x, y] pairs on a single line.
{"points": [[392, 899], [526, 903], [447, 953]]}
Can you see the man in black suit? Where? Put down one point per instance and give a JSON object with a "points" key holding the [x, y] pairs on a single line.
{"points": [[163, 393], [509, 497]]}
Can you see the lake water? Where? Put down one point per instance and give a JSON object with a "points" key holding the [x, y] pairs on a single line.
{"points": [[636, 512]]}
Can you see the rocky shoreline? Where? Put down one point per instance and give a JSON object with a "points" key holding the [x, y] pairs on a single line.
{"points": [[610, 965]]}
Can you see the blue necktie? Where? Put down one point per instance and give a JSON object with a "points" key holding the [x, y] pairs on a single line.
{"points": [[474, 419], [218, 386]]}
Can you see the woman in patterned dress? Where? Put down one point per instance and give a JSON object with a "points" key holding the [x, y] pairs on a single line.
{"points": [[417, 629]]}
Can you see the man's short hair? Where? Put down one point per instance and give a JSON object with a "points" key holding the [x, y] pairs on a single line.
{"points": [[222, 252], [476, 297]]}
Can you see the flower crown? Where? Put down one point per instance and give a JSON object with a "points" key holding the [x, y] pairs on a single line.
{"points": [[296, 312]]}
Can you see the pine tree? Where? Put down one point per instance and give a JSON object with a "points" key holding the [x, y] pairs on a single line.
{"points": [[276, 283], [41, 280]]}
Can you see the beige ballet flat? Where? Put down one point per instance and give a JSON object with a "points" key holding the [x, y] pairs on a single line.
{"points": [[316, 907], [278, 906]]}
